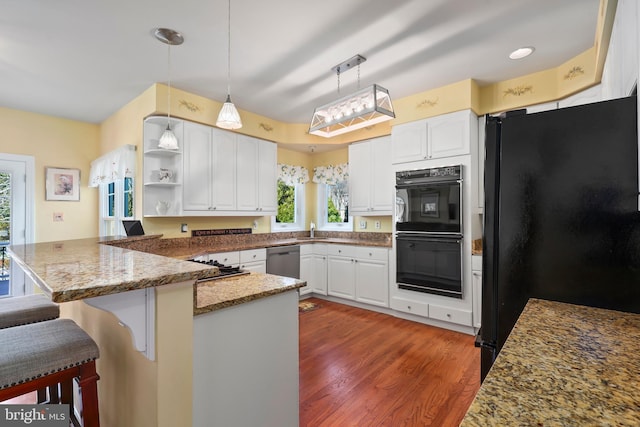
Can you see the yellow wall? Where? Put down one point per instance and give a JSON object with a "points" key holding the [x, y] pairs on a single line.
{"points": [[58, 143]]}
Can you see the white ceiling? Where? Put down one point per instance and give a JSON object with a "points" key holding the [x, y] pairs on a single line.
{"points": [[84, 59]]}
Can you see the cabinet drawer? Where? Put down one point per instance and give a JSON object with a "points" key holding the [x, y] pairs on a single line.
{"points": [[408, 306], [306, 249], [342, 250], [319, 248], [252, 255], [462, 317], [377, 254], [227, 258]]}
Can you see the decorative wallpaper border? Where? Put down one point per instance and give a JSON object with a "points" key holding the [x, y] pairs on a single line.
{"points": [[518, 90]]}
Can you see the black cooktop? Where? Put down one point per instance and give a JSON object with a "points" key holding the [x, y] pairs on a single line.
{"points": [[225, 270]]}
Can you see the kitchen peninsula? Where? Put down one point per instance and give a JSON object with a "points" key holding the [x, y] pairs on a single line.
{"points": [[563, 364], [152, 380]]}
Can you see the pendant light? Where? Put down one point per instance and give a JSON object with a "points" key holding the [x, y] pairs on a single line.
{"points": [[363, 108], [170, 37], [229, 117]]}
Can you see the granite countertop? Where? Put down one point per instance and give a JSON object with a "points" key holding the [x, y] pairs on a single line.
{"points": [[220, 293], [76, 269], [563, 365]]}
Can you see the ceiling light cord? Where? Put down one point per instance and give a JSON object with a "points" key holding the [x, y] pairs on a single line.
{"points": [[169, 96], [229, 51]]}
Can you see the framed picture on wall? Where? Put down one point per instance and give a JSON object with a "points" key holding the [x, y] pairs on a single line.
{"points": [[62, 184]]}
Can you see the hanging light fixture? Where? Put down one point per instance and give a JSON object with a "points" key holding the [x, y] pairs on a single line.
{"points": [[363, 108], [170, 37], [229, 117]]}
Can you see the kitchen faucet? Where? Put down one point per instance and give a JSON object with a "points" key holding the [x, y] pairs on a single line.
{"points": [[313, 229]]}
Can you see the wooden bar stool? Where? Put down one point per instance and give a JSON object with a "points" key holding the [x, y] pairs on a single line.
{"points": [[22, 310], [44, 354], [16, 311]]}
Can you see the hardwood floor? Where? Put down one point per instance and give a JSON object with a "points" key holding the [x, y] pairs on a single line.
{"points": [[361, 368]]}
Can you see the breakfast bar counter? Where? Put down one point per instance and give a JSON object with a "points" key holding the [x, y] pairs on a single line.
{"points": [[563, 365], [172, 337], [77, 269]]}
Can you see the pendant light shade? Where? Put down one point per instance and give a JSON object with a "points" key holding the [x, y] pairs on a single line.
{"points": [[229, 117], [168, 140]]}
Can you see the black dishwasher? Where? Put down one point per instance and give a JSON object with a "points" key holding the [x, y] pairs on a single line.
{"points": [[284, 261]]}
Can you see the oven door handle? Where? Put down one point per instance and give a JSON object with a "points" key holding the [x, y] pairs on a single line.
{"points": [[428, 237]]}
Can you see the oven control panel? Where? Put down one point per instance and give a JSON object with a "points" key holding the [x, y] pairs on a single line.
{"points": [[451, 172]]}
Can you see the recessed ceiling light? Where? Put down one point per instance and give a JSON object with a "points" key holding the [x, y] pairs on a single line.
{"points": [[522, 52]]}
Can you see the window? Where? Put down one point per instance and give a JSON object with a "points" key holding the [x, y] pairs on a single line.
{"points": [[116, 204], [291, 214], [333, 207]]}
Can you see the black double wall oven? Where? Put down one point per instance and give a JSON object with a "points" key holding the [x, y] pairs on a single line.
{"points": [[429, 230]]}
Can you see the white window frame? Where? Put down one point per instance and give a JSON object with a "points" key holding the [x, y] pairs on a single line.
{"points": [[103, 213], [323, 224], [299, 225]]}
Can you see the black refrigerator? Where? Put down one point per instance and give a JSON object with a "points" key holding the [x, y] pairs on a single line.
{"points": [[561, 218]]}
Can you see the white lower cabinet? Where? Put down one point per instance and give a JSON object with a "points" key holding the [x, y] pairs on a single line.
{"points": [[432, 311], [313, 268], [448, 314], [359, 273], [254, 260], [410, 306], [341, 267], [372, 272]]}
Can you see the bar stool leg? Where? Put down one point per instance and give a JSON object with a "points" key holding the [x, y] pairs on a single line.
{"points": [[89, 391]]}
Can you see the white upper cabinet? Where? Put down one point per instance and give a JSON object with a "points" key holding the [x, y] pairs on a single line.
{"points": [[620, 73], [223, 173], [210, 166], [409, 142], [370, 177], [226, 174], [437, 137], [197, 167], [448, 135], [256, 175]]}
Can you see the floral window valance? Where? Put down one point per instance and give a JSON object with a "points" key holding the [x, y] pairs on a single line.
{"points": [[292, 175], [331, 174], [114, 165]]}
